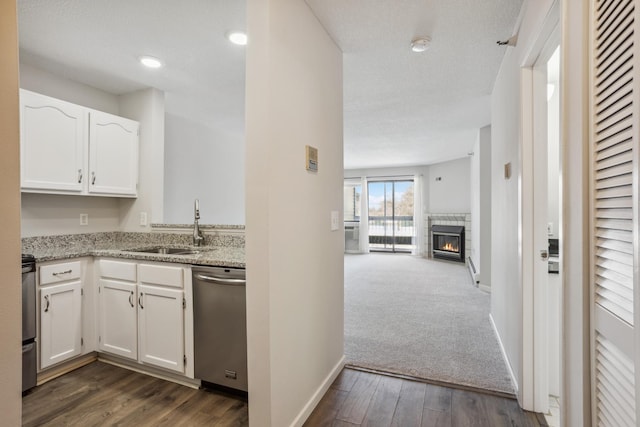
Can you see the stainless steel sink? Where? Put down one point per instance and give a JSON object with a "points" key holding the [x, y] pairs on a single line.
{"points": [[164, 251]]}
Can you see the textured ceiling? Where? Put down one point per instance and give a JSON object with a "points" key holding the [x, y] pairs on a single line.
{"points": [[401, 108], [406, 108], [98, 42]]}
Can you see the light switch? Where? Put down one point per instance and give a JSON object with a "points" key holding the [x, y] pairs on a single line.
{"points": [[335, 221], [84, 219], [143, 219]]}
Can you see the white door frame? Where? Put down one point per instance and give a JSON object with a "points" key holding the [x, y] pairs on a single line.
{"points": [[533, 393]]}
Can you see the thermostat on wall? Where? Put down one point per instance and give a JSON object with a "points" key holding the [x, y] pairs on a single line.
{"points": [[312, 158]]}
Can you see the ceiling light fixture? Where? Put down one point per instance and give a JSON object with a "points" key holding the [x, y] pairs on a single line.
{"points": [[237, 37], [420, 44], [150, 61]]}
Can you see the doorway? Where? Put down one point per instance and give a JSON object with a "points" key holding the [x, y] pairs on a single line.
{"points": [[541, 223], [390, 216]]}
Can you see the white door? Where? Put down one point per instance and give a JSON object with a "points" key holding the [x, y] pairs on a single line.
{"points": [[60, 323], [113, 154], [614, 206], [161, 331], [52, 141], [118, 318]]}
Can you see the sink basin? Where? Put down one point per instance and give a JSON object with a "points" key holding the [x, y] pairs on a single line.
{"points": [[165, 251]]}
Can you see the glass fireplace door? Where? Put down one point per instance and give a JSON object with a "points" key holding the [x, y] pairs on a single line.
{"points": [[391, 226]]}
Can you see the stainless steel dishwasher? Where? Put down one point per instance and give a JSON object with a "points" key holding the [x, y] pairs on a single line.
{"points": [[220, 326]]}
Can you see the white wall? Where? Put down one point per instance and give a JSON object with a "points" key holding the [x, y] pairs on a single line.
{"points": [[205, 163], [481, 205], [452, 193], [46, 83], [506, 285], [294, 262], [574, 114], [50, 214], [553, 164], [10, 303], [147, 107]]}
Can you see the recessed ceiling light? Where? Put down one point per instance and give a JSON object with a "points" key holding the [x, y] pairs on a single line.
{"points": [[420, 44], [150, 61], [237, 37]]}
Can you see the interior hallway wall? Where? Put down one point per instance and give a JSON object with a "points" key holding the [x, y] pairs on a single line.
{"points": [[506, 261], [295, 264], [10, 303]]}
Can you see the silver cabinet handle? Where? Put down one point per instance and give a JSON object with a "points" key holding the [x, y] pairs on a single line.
{"points": [[46, 308], [131, 299], [93, 178], [79, 176], [140, 301], [59, 273], [544, 254]]}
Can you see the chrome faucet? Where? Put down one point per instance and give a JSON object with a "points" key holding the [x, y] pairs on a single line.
{"points": [[198, 237]]}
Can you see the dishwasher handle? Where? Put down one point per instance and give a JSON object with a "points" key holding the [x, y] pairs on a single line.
{"points": [[220, 280]]}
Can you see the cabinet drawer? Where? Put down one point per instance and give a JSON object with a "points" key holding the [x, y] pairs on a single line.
{"points": [[161, 275], [56, 273], [119, 270]]}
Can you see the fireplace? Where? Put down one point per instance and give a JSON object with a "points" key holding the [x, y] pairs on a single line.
{"points": [[448, 242]]}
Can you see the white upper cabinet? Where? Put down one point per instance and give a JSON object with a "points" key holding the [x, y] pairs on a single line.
{"points": [[113, 154], [52, 144], [70, 149]]}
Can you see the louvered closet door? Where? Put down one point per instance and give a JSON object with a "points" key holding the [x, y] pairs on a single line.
{"points": [[615, 148]]}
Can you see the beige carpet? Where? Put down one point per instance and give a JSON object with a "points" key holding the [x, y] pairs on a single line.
{"points": [[423, 318]]}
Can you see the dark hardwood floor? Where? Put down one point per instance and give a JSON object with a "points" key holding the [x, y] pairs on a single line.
{"points": [[359, 398], [100, 394]]}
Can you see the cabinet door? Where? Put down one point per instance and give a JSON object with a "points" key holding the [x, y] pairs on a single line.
{"points": [[60, 323], [161, 330], [113, 154], [52, 141], [118, 318]]}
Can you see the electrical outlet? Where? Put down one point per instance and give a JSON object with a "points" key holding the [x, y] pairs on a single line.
{"points": [[143, 219], [84, 219]]}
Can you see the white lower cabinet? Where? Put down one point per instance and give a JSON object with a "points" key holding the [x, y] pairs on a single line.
{"points": [[142, 312], [60, 323], [60, 335], [161, 327], [118, 332]]}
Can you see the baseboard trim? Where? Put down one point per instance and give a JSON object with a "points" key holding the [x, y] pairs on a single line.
{"points": [[51, 373], [149, 370], [319, 394], [514, 381], [485, 288], [473, 272]]}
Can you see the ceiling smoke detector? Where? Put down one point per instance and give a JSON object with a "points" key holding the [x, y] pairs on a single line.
{"points": [[420, 44]]}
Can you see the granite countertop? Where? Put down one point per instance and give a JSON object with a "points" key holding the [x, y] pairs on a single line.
{"points": [[222, 252]]}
